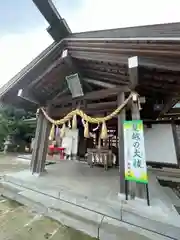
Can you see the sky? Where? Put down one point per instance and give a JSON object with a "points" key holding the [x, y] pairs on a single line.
{"points": [[23, 29]]}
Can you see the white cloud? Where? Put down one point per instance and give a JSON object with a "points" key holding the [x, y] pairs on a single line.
{"points": [[103, 14], [17, 50]]}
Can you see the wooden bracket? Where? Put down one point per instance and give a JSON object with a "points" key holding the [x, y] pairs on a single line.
{"points": [[133, 71]]}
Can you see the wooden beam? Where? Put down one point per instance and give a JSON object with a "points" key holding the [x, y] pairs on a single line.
{"points": [[47, 71], [91, 107], [121, 43], [60, 94], [174, 110], [149, 89], [102, 66], [169, 103], [121, 79], [91, 112], [101, 94], [163, 86], [173, 114], [106, 79], [27, 96], [64, 60], [150, 62], [74, 69], [129, 51], [48, 10], [107, 58], [160, 76], [71, 64], [99, 83], [68, 60]]}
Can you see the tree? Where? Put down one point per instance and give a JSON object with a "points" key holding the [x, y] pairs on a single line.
{"points": [[12, 123]]}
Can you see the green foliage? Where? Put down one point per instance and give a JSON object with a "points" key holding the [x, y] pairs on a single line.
{"points": [[12, 123]]}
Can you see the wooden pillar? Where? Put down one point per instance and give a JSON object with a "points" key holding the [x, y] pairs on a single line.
{"points": [[41, 144], [43, 147], [137, 189], [121, 118], [36, 142]]}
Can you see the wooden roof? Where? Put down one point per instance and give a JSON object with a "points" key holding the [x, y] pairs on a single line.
{"points": [[101, 59]]}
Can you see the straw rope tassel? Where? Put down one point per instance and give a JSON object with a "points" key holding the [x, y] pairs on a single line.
{"points": [[74, 122], [63, 130], [51, 135], [86, 130], [57, 131], [69, 124], [85, 116], [104, 134]]}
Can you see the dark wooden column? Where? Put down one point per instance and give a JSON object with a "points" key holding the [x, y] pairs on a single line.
{"points": [[43, 147], [36, 143], [176, 136], [121, 118], [41, 144]]}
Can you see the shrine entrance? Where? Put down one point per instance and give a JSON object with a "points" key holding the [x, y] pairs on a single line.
{"points": [[94, 84]]}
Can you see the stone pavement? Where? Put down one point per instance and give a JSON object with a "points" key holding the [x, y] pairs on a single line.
{"points": [[86, 199], [17, 222], [10, 163]]}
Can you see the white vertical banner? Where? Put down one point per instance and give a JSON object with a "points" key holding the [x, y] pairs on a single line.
{"points": [[134, 152]]}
